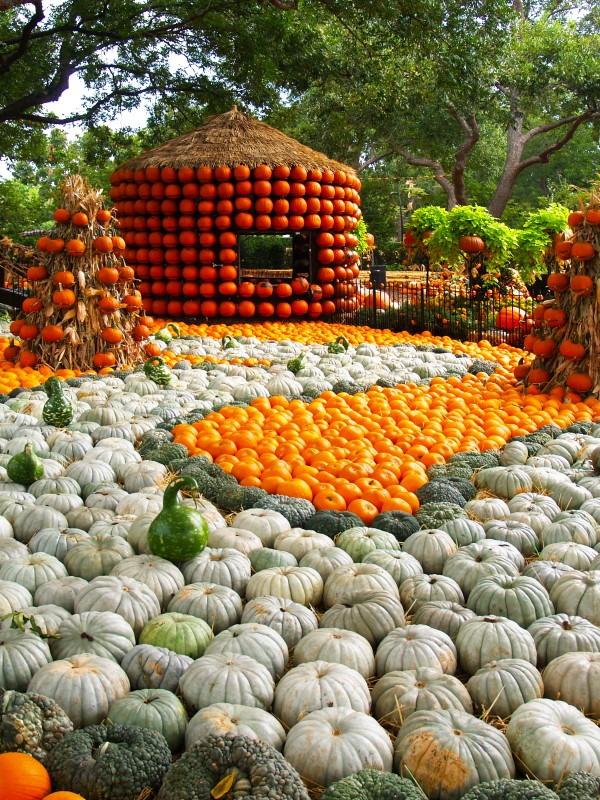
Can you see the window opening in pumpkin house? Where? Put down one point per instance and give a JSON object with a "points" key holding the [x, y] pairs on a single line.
{"points": [[276, 257]]}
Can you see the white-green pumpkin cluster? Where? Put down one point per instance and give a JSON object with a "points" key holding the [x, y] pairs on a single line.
{"points": [[394, 647]]}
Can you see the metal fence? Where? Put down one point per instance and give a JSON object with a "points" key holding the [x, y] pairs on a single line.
{"points": [[457, 308]]}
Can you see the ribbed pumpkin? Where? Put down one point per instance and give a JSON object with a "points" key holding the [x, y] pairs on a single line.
{"points": [[22, 777]]}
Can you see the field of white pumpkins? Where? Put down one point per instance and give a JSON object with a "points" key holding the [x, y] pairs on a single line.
{"points": [[171, 631]]}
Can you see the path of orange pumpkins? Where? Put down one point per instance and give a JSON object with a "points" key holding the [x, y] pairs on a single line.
{"points": [[367, 452]]}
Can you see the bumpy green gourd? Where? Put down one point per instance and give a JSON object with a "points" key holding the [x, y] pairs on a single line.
{"points": [[179, 532], [167, 333], [340, 345], [25, 467], [295, 364], [156, 369], [57, 409]]}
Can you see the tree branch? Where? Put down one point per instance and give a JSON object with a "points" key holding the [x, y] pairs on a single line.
{"points": [[544, 156], [551, 126], [470, 130], [6, 5], [438, 173], [23, 43], [374, 159]]}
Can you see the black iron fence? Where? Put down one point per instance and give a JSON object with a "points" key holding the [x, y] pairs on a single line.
{"points": [[455, 307]]}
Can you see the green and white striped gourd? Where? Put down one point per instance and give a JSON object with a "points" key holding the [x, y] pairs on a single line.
{"points": [[157, 370], [57, 410]]}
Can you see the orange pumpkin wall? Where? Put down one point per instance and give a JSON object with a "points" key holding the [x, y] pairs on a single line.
{"points": [[181, 229]]}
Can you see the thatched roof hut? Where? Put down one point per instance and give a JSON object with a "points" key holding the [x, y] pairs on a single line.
{"points": [[234, 138]]}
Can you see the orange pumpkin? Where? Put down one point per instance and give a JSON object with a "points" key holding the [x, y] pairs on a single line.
{"points": [[558, 281], [102, 360], [103, 215], [579, 382], [80, 219], [27, 332], [246, 308], [266, 309], [264, 289], [563, 250], [575, 218], [582, 285], [15, 326], [583, 251], [27, 359], [283, 290], [471, 244], [140, 332], [61, 215], [555, 317], [593, 216], [64, 279], [36, 273], [108, 304], [75, 247], [52, 333], [544, 348], [300, 285], [571, 350], [508, 319], [108, 275], [55, 245], [42, 243], [246, 289], [112, 335], [64, 298], [538, 377], [103, 244], [22, 777], [31, 305]]}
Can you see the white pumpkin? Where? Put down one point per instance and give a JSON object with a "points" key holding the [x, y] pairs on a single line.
{"points": [[329, 744], [85, 686], [263, 522]]}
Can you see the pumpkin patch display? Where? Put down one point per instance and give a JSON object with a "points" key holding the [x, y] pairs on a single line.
{"points": [[572, 366], [317, 204], [377, 525]]}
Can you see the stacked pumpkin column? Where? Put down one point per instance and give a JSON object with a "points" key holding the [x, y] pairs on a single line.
{"points": [[85, 312], [566, 339], [182, 226]]}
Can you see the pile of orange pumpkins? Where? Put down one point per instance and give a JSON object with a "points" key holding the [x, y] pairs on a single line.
{"points": [[182, 226]]}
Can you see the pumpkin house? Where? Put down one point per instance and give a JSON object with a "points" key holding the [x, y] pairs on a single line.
{"points": [[237, 219]]}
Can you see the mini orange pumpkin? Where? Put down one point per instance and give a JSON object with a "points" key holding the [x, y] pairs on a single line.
{"points": [[108, 275], [63, 279], [64, 298], [112, 335], [37, 273], [31, 305], [61, 215], [107, 359], [103, 244], [582, 285], [52, 333], [75, 247], [80, 219]]}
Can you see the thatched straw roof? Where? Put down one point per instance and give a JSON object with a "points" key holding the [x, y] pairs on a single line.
{"points": [[230, 139]]}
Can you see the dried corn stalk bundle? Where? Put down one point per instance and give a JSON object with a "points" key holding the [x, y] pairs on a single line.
{"points": [[85, 311], [567, 339]]}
